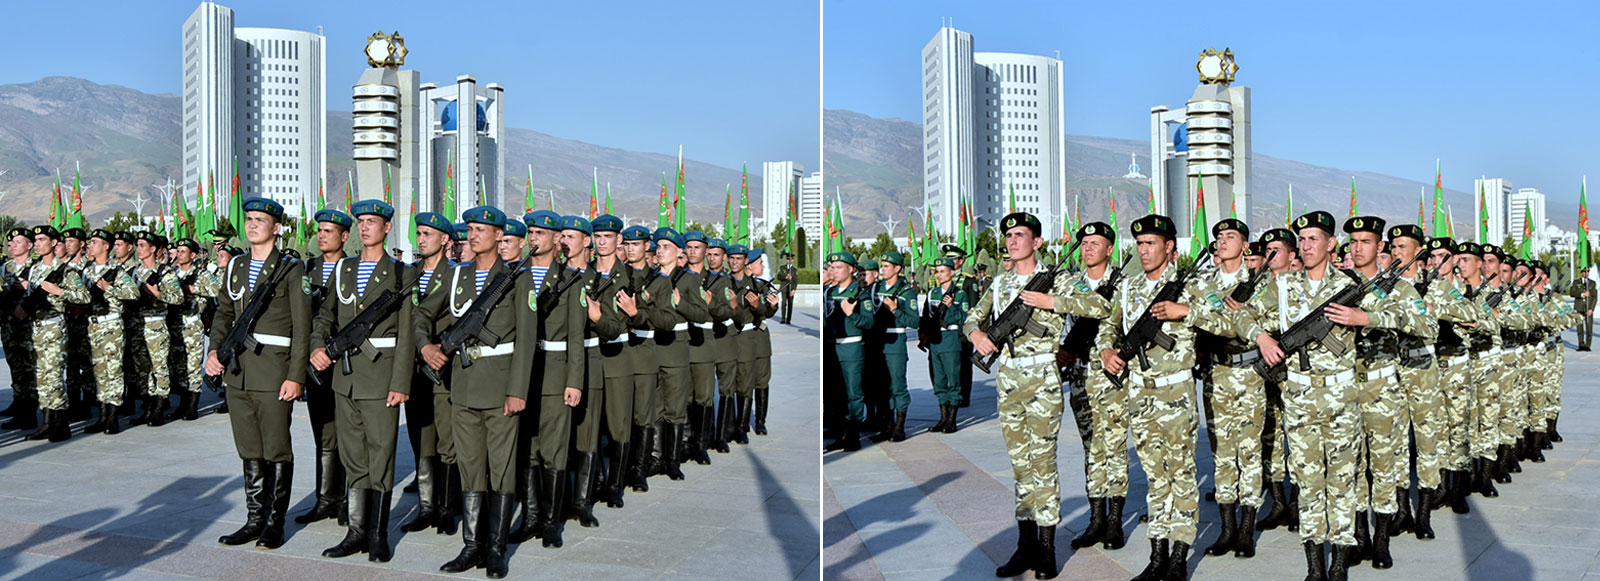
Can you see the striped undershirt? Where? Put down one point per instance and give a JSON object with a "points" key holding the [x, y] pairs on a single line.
{"points": [[538, 277], [255, 270], [363, 272]]}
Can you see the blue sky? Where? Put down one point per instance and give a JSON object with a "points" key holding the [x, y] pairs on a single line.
{"points": [[1497, 88], [730, 81]]}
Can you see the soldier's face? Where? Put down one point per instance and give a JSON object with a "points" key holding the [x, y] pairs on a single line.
{"points": [[635, 250], [1253, 262], [574, 242], [483, 238], [1468, 264], [1153, 250], [753, 269], [871, 276], [683, 259], [888, 270], [74, 246], [737, 263], [605, 243], [372, 229], [1315, 246], [1505, 272], [1364, 248], [1095, 250], [1404, 249], [330, 237], [714, 258], [98, 248], [259, 227], [19, 245], [544, 241], [510, 248], [146, 249], [121, 249], [839, 272], [1521, 273], [1230, 244], [185, 256], [943, 274], [1021, 243], [430, 241], [667, 253], [696, 251], [44, 245], [1284, 255]]}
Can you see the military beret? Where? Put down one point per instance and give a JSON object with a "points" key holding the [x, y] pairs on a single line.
{"points": [[1371, 224], [188, 243], [1489, 249], [1344, 248], [435, 221], [1211, 247], [985, 267], [74, 233], [1100, 229], [514, 227], [1234, 224], [47, 230], [944, 261], [102, 234], [543, 219], [1021, 219], [738, 250], [694, 236], [664, 234], [718, 243], [265, 206], [788, 255], [869, 264], [756, 254], [336, 218], [1279, 235], [1516, 262], [1462, 247], [127, 237], [633, 233], [377, 208], [578, 223], [953, 251], [894, 257], [1257, 248], [1411, 231], [19, 231], [844, 257], [1155, 224], [233, 250], [145, 236], [460, 232], [292, 253], [606, 223], [486, 215], [1317, 219]]}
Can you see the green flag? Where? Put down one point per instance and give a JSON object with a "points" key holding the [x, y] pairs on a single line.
{"points": [[664, 212], [1440, 222], [75, 213], [1582, 259], [1352, 197], [744, 207], [449, 205], [609, 210], [236, 205], [1483, 214], [527, 199], [1116, 250], [680, 200], [1527, 231], [728, 225], [1199, 234]]}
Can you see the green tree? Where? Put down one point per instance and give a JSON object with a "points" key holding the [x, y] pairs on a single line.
{"points": [[7, 222], [121, 222], [987, 242], [880, 245], [801, 248]]}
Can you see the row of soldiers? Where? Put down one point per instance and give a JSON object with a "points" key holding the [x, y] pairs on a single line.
{"points": [[1329, 388], [101, 320], [548, 363]]}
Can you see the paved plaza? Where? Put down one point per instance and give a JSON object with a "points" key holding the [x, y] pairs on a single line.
{"points": [[939, 506], [151, 502]]}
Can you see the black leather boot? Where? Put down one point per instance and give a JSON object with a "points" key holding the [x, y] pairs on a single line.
{"points": [[158, 407], [1244, 546], [759, 421], [472, 534], [1550, 428], [356, 529], [1044, 562], [1402, 521], [280, 483], [449, 499], [378, 550], [1537, 445], [640, 467], [1027, 546], [1111, 536], [26, 416], [898, 433], [554, 491], [1157, 569], [1381, 559], [583, 485], [701, 424], [1339, 564], [617, 477], [951, 424], [108, 419], [183, 404], [330, 488], [98, 425], [1097, 523], [1363, 546], [1230, 530], [1485, 471], [1316, 570], [1459, 490], [1178, 562], [849, 440], [1424, 523], [1277, 506], [46, 427], [722, 425], [142, 417], [255, 503], [1292, 513], [669, 452], [944, 417], [427, 492], [498, 529], [532, 514], [1441, 496], [743, 414], [1509, 455]]}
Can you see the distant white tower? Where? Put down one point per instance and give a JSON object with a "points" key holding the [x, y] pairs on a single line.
{"points": [[1133, 168]]}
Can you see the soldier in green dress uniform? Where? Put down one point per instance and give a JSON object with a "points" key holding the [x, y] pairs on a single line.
{"points": [[847, 311], [333, 230]]}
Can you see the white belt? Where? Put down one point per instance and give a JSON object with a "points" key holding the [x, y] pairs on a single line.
{"points": [[897, 330], [1494, 351], [1173, 378], [705, 325], [1240, 359], [163, 318], [681, 327], [847, 340], [623, 338], [55, 319], [382, 342], [111, 318], [479, 351], [1420, 351], [591, 342], [748, 327], [265, 339], [1457, 360], [1379, 374], [728, 323], [191, 317], [1303, 379], [553, 345], [1015, 362], [644, 333], [951, 328]]}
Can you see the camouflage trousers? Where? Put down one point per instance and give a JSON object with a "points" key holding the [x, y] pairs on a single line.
{"points": [[1030, 420], [156, 342], [1078, 402], [1107, 458], [1238, 402], [1456, 391], [192, 365], [1274, 440], [1165, 423], [1522, 367], [49, 340], [1384, 449], [1427, 407], [1546, 396], [106, 338], [1324, 430], [18, 344], [1484, 433]]}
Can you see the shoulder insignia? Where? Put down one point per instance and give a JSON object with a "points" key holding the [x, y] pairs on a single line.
{"points": [[533, 301], [416, 298], [1081, 287], [1455, 294], [1379, 292], [1216, 303], [305, 284], [583, 299], [1422, 307], [727, 294]]}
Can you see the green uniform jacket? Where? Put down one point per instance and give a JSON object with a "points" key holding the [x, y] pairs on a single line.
{"points": [[845, 326], [287, 316], [375, 371], [641, 350], [673, 318], [562, 319], [904, 315], [485, 385], [722, 311], [763, 341], [618, 358], [954, 316]]}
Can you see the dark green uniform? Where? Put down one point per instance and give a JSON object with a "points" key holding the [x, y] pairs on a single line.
{"points": [[902, 319], [849, 331], [703, 357], [726, 333], [946, 353], [428, 421], [320, 406], [674, 311], [557, 360]]}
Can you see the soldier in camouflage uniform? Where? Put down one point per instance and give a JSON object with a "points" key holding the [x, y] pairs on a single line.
{"points": [[1484, 436], [199, 286], [1557, 316], [80, 371], [159, 291], [1425, 402], [109, 285], [1280, 244], [16, 332], [1029, 389], [50, 285]]}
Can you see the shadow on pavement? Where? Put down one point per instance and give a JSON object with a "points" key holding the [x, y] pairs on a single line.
{"points": [[798, 550], [893, 506]]}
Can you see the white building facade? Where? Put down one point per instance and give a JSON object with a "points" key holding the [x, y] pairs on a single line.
{"points": [[778, 179], [1496, 193], [1527, 206], [811, 206]]}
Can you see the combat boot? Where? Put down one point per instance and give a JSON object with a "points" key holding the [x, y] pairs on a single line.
{"points": [[13, 409], [720, 422], [951, 424], [498, 527], [46, 428], [427, 495], [1044, 562], [62, 430], [1509, 456], [759, 422], [279, 481], [616, 478], [108, 419], [330, 488], [554, 489], [158, 415], [1097, 523], [1245, 545], [97, 426], [898, 434], [378, 550], [449, 500], [1315, 569], [1483, 471], [472, 529], [142, 416], [1339, 565], [1537, 444], [1277, 499], [1381, 559], [1459, 491], [356, 529], [944, 416], [532, 514], [1027, 545], [1424, 524], [639, 466], [25, 417], [583, 490], [1292, 521], [1111, 534], [1550, 427], [1363, 540], [255, 503], [1178, 562], [745, 405], [1157, 569], [669, 457], [1226, 538], [1402, 520]]}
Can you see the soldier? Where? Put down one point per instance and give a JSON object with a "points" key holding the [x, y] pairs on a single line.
{"points": [[108, 287], [49, 285], [268, 380], [199, 288], [1029, 390], [761, 376], [1584, 293], [460, 251], [947, 309], [724, 307], [18, 334], [983, 279], [874, 368], [642, 359], [1564, 317], [333, 232], [1455, 262], [1284, 510], [703, 352], [897, 301], [735, 414], [618, 354], [600, 324], [847, 311], [159, 291], [512, 243], [1099, 407], [969, 284], [672, 291], [788, 279], [1488, 393], [1425, 403], [80, 372], [428, 410], [367, 399], [484, 397]]}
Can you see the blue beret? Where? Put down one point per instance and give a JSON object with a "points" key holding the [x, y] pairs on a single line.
{"points": [[755, 254], [578, 223], [435, 221], [668, 235], [486, 215], [259, 204], [738, 249], [694, 236], [375, 207], [545, 219], [514, 227], [606, 223], [636, 233], [335, 217], [460, 232], [718, 243]]}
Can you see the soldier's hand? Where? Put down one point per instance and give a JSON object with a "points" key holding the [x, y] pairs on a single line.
{"points": [[752, 298], [677, 297], [707, 295], [893, 303], [1111, 359], [594, 311], [1233, 305], [213, 366], [627, 303], [514, 405], [319, 359], [849, 306], [1169, 311], [102, 284], [1269, 349], [24, 282], [289, 391], [948, 300], [1348, 316], [434, 356], [981, 343], [396, 398], [50, 287], [1038, 300], [572, 396], [772, 300], [153, 290]]}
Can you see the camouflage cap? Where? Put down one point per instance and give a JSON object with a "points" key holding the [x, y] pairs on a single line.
{"points": [[1371, 224], [1317, 219], [1155, 224]]}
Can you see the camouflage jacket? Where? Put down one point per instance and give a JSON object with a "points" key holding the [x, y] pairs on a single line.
{"points": [[1130, 301], [169, 294], [120, 288], [1378, 347], [1213, 286], [72, 289], [1427, 330], [199, 292], [1070, 300], [1292, 295]]}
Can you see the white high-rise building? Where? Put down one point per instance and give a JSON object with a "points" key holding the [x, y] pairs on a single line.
{"points": [[1496, 191], [1527, 205], [778, 179], [811, 206], [258, 95], [992, 122]]}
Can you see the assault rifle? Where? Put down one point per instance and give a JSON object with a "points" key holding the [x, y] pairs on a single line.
{"points": [[1247, 289], [1147, 329], [1494, 300], [1006, 327], [1081, 337], [1314, 327], [240, 336], [356, 334], [470, 325], [930, 329]]}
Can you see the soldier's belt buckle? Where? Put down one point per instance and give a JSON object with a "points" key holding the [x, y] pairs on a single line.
{"points": [[475, 352]]}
